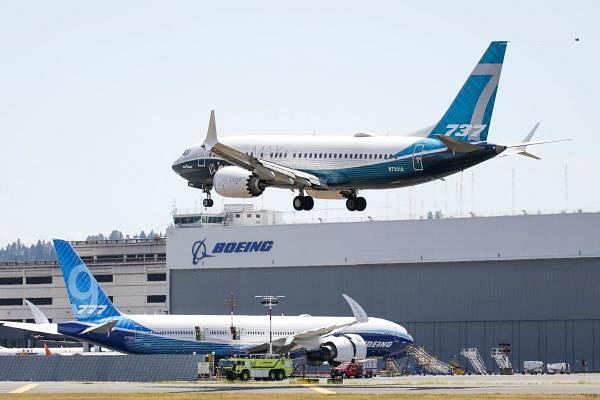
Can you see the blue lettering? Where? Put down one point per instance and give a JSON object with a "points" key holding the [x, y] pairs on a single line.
{"points": [[256, 246], [240, 247], [266, 246], [219, 247], [229, 247]]}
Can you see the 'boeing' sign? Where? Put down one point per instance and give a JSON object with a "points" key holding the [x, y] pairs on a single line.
{"points": [[243, 247], [199, 248]]}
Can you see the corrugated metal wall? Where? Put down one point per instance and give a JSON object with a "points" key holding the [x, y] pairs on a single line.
{"points": [[547, 309], [130, 368]]}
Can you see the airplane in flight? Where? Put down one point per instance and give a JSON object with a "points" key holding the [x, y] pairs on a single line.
{"points": [[337, 167], [321, 339]]}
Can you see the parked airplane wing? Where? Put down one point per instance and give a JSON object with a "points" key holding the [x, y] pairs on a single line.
{"points": [[268, 171], [50, 329], [310, 335]]}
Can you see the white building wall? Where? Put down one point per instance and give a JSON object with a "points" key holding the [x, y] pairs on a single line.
{"points": [[375, 242]]}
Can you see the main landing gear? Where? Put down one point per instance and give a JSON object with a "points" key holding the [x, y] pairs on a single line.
{"points": [[303, 203], [207, 202], [355, 203]]}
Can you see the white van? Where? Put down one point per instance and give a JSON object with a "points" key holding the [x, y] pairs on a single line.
{"points": [[533, 367], [558, 368]]}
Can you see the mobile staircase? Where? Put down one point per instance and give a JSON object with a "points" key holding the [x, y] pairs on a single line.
{"points": [[427, 362], [474, 358], [502, 357]]}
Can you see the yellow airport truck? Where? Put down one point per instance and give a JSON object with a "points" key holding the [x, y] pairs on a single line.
{"points": [[257, 367]]}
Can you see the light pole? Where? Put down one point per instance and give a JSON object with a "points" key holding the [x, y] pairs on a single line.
{"points": [[270, 301]]}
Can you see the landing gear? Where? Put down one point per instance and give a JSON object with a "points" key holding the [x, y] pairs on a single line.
{"points": [[303, 203], [354, 203], [207, 202]]}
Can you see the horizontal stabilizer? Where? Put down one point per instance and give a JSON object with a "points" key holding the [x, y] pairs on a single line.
{"points": [[458, 146], [527, 154], [106, 327]]}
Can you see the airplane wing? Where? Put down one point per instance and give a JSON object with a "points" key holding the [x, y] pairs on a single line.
{"points": [[49, 329], [283, 345], [273, 173]]}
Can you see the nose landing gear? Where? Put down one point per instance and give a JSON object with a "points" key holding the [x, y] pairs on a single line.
{"points": [[208, 201]]}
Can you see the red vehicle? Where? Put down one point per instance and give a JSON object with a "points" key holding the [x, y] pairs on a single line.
{"points": [[351, 370]]}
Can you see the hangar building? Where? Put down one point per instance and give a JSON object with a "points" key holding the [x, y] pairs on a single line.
{"points": [[531, 280]]}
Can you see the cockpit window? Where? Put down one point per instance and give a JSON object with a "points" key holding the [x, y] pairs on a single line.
{"points": [[188, 151]]}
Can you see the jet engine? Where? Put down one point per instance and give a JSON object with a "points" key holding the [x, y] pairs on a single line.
{"points": [[237, 182], [338, 349]]}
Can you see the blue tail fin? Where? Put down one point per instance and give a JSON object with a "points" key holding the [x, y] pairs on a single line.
{"points": [[469, 115], [88, 300]]}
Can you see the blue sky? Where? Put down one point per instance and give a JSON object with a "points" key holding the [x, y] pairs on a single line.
{"points": [[98, 99]]}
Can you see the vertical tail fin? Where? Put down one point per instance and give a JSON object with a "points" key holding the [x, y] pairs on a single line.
{"points": [[88, 300], [468, 117]]}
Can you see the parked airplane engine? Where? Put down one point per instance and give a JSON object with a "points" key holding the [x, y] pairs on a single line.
{"points": [[237, 182], [338, 349]]}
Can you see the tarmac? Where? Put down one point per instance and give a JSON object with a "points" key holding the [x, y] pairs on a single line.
{"points": [[471, 384]]}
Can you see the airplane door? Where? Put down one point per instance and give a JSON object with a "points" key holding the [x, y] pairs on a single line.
{"points": [[201, 157], [418, 157], [200, 333]]}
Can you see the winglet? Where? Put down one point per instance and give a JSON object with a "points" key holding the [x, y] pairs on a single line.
{"points": [[38, 315], [211, 133], [359, 314]]}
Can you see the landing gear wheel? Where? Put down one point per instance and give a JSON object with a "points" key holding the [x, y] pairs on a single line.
{"points": [[208, 203], [360, 204], [297, 203], [351, 203], [308, 203]]}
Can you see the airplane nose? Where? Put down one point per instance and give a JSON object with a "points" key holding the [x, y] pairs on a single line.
{"points": [[176, 166]]}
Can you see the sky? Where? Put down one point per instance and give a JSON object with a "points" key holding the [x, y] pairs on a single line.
{"points": [[97, 99]]}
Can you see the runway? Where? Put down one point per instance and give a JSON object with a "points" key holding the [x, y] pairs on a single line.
{"points": [[460, 385]]}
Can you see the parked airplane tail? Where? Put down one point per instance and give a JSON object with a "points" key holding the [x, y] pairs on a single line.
{"points": [[88, 300], [468, 117]]}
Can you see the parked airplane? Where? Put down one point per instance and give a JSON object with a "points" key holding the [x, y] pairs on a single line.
{"points": [[332, 339], [331, 167], [40, 351]]}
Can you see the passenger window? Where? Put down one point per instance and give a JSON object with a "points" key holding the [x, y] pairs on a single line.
{"points": [[294, 155], [370, 156]]}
